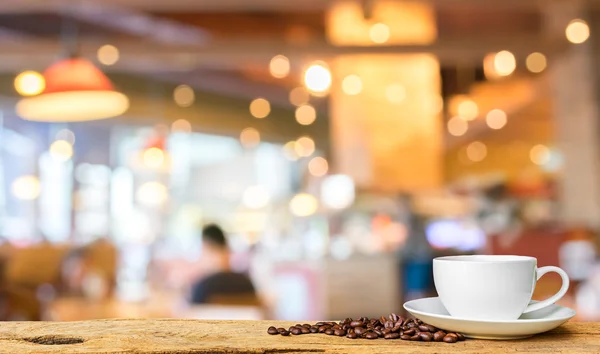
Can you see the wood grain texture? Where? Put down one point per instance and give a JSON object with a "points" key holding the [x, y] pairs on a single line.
{"points": [[193, 336]]}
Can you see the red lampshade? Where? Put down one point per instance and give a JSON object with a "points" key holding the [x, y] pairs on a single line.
{"points": [[75, 90], [75, 75]]}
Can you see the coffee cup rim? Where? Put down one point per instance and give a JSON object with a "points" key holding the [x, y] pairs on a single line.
{"points": [[485, 259]]}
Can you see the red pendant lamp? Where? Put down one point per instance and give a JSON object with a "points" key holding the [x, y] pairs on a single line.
{"points": [[75, 90]]}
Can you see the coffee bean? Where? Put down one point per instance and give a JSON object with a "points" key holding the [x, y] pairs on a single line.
{"points": [[410, 332], [391, 327], [439, 336], [426, 336], [416, 337], [450, 339], [423, 328], [356, 324], [391, 336], [359, 330], [371, 335]]}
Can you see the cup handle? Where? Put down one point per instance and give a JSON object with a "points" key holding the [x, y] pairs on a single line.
{"points": [[563, 289]]}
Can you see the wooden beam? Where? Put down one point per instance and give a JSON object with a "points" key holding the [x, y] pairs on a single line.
{"points": [[255, 5], [237, 52]]}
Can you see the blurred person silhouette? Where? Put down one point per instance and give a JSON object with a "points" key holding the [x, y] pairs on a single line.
{"points": [[220, 285], [416, 258]]}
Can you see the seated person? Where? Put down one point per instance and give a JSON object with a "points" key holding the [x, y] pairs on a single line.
{"points": [[220, 281]]}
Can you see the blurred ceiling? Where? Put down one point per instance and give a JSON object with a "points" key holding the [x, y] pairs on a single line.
{"points": [[225, 46]]}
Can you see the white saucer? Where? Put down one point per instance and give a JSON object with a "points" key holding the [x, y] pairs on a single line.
{"points": [[430, 310]]}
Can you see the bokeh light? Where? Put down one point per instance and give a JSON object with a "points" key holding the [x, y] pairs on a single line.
{"points": [[306, 114], [61, 150], [184, 96], [305, 146], [304, 204], [540, 154], [181, 125], [496, 119], [338, 191], [577, 31], [318, 166], [26, 187], [260, 108], [505, 63], [317, 78], [476, 151], [279, 66], [352, 85], [536, 62], [153, 157], [379, 33], [249, 137], [457, 126], [30, 83], [108, 54], [468, 110]]}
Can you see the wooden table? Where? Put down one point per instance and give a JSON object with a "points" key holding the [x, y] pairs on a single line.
{"points": [[190, 336]]}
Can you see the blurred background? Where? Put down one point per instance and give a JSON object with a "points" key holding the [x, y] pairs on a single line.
{"points": [[339, 145]]}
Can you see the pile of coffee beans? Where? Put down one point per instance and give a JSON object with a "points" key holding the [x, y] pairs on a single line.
{"points": [[391, 327]]}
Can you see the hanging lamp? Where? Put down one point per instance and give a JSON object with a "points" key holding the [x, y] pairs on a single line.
{"points": [[75, 90]]}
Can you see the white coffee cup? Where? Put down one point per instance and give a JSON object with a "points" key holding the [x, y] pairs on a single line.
{"points": [[491, 288]]}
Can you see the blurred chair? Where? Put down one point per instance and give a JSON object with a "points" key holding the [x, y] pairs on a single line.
{"points": [[24, 271], [35, 265]]}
